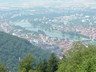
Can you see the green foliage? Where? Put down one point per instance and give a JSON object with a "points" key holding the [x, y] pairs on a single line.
{"points": [[45, 65], [80, 59], [42, 66], [78, 46], [3, 68], [52, 63], [33, 71], [27, 64], [12, 47]]}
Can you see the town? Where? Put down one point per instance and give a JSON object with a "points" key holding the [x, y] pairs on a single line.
{"points": [[56, 33]]}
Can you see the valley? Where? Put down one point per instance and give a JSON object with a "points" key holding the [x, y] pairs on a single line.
{"points": [[56, 31]]}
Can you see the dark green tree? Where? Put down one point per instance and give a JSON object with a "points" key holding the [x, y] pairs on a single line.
{"points": [[27, 64], [45, 65], [52, 63], [42, 66]]}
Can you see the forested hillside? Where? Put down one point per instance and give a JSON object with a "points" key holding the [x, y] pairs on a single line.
{"points": [[80, 58], [13, 48]]}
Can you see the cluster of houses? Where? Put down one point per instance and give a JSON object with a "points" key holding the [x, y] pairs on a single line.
{"points": [[54, 44]]}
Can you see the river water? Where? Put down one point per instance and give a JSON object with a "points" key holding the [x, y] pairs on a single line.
{"points": [[28, 26]]}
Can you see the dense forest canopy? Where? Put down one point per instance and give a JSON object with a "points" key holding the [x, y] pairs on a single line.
{"points": [[12, 48], [80, 58]]}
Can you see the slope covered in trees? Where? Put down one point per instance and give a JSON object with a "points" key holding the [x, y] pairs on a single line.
{"points": [[13, 48], [80, 58]]}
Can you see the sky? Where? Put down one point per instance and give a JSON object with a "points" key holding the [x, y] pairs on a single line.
{"points": [[33, 3]]}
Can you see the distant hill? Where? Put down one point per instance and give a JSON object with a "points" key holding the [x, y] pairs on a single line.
{"points": [[12, 47]]}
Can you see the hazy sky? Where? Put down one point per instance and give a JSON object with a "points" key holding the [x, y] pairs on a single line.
{"points": [[32, 3]]}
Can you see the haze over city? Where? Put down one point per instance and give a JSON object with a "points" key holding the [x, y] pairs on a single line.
{"points": [[47, 35], [44, 3]]}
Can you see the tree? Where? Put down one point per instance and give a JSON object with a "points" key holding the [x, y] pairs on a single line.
{"points": [[42, 66], [45, 65], [27, 64], [52, 63], [83, 60]]}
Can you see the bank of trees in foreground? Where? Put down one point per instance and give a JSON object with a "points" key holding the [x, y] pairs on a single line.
{"points": [[79, 58], [29, 65]]}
